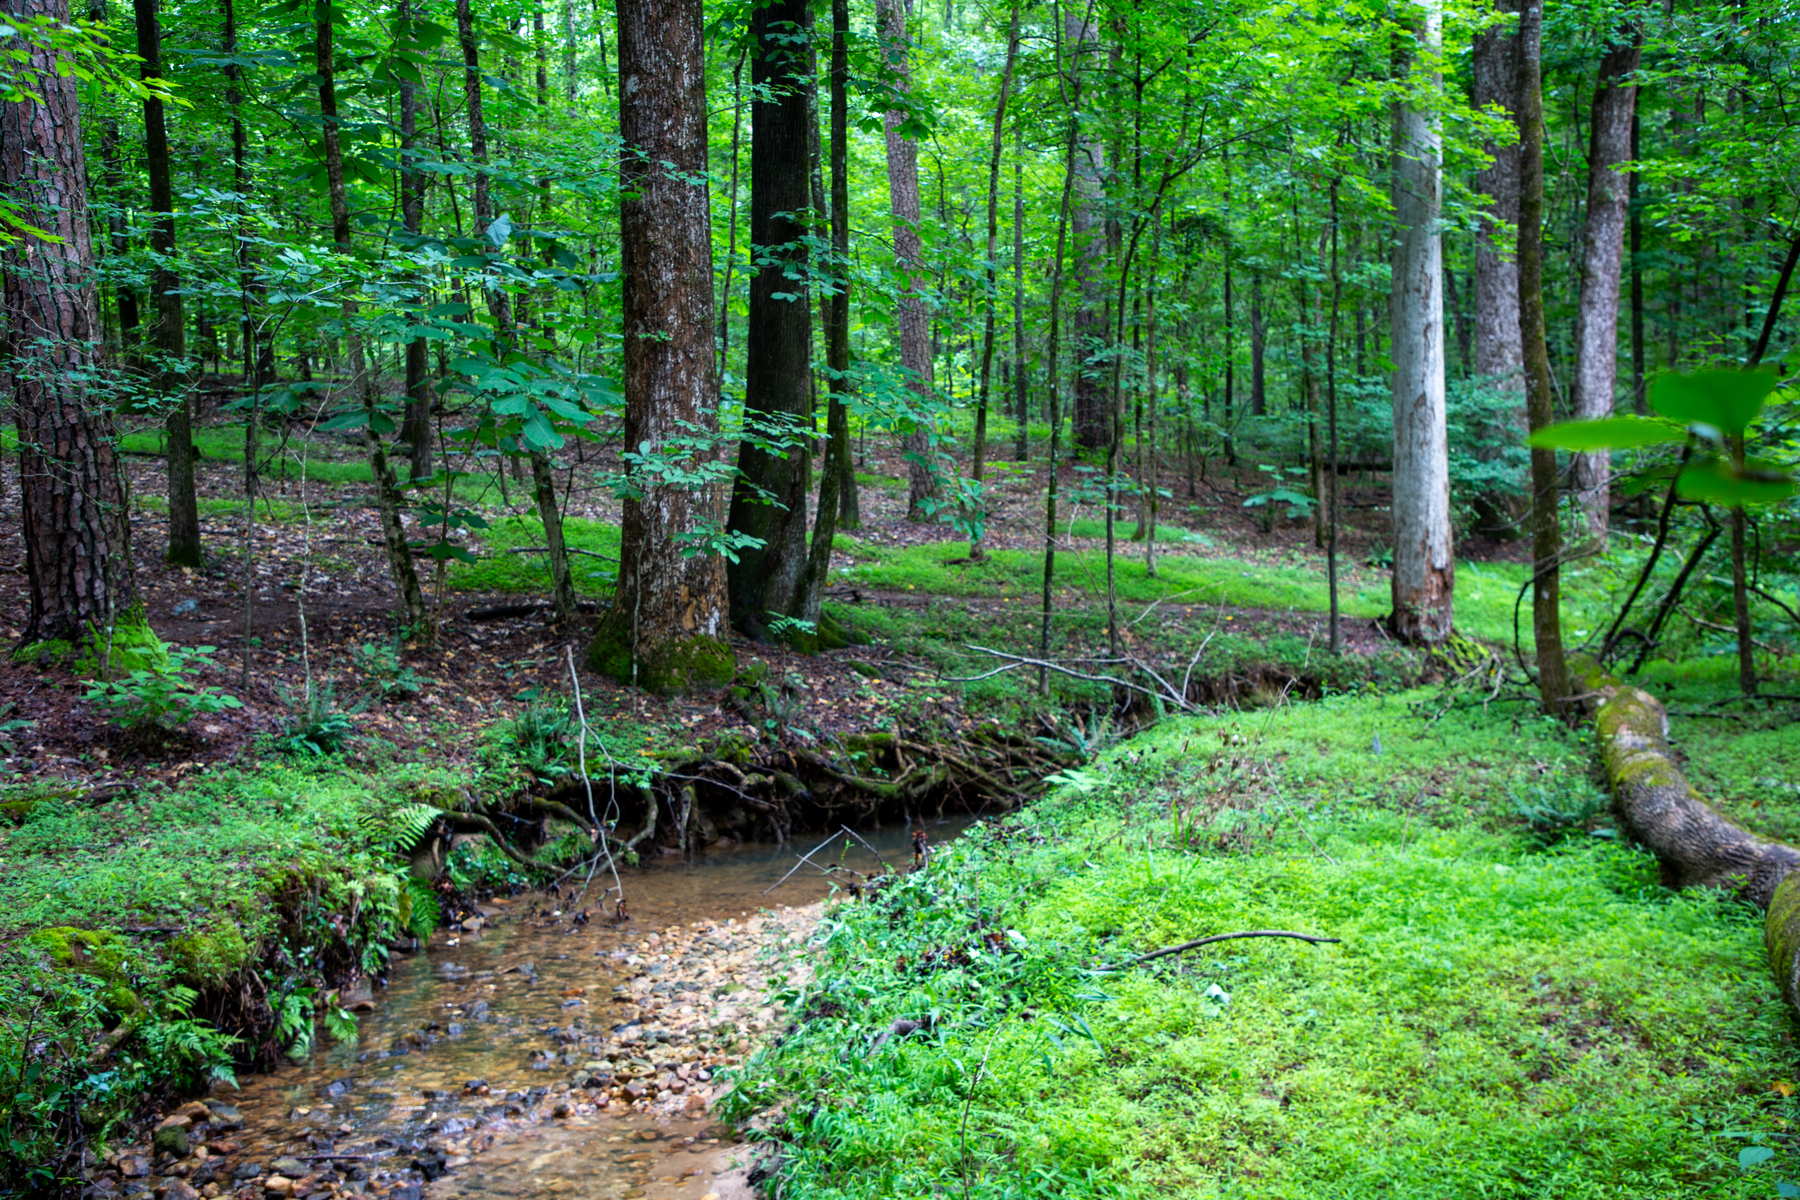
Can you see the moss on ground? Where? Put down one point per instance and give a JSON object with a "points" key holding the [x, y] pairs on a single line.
{"points": [[1508, 1013]]}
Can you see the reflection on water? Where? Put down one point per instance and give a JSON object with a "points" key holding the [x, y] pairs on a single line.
{"points": [[450, 1073]]}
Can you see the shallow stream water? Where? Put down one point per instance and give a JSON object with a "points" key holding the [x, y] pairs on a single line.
{"points": [[506, 1009]]}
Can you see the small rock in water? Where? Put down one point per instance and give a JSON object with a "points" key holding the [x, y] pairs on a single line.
{"points": [[245, 1171], [431, 1164], [293, 1168]]}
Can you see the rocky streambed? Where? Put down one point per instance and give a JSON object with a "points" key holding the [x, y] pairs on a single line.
{"points": [[535, 1052]]}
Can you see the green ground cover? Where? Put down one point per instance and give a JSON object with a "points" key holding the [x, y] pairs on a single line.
{"points": [[1517, 1008]]}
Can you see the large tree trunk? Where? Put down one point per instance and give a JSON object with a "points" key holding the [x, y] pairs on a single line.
{"points": [[1087, 326], [909, 255], [769, 500], [1499, 352], [667, 628], [1546, 528], [387, 491], [415, 426], [168, 330], [1602, 257], [1424, 571], [76, 531]]}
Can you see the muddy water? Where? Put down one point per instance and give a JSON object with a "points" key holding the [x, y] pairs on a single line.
{"points": [[469, 1070]]}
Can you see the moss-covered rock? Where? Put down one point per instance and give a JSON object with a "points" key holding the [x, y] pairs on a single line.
{"points": [[97, 954], [208, 957], [677, 667], [1781, 938]]}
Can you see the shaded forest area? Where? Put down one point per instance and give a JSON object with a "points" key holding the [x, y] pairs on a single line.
{"points": [[460, 447]]}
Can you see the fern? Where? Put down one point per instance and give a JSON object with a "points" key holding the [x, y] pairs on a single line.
{"points": [[402, 828], [419, 909], [340, 1022], [294, 1023]]}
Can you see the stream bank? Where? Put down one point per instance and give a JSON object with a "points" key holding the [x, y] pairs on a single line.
{"points": [[536, 1051]]}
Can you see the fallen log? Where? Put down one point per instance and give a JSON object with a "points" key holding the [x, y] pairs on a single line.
{"points": [[1695, 845]]}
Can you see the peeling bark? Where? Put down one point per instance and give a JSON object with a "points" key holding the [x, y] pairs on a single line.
{"points": [[1424, 571]]}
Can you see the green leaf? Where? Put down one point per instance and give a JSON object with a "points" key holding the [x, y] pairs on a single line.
{"points": [[1750, 1156], [1716, 481], [1728, 400], [1612, 433]]}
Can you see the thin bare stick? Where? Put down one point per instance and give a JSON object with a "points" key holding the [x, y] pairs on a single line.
{"points": [[1226, 937], [587, 781], [859, 837], [805, 860]]}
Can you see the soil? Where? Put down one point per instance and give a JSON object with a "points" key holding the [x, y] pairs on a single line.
{"points": [[479, 667]]}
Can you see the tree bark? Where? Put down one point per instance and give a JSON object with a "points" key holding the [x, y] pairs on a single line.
{"points": [[769, 499], [1259, 400], [1499, 350], [1602, 259], [415, 427], [168, 327], [1021, 443], [667, 631], [847, 511], [75, 521], [1546, 528], [1424, 570], [909, 255]]}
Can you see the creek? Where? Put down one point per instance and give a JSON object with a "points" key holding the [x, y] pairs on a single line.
{"points": [[541, 1056]]}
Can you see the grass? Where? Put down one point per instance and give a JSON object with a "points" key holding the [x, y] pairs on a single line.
{"points": [[332, 461], [1500, 1019], [498, 569]]}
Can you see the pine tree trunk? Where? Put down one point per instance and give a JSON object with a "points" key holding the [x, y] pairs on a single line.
{"points": [[75, 521], [1602, 260], [777, 372], [168, 329], [1424, 571], [909, 255]]}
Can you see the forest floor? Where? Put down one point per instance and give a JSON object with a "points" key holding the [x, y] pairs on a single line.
{"points": [[1276, 812]]}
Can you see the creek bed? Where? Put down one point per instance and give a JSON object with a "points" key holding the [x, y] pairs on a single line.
{"points": [[542, 1054]]}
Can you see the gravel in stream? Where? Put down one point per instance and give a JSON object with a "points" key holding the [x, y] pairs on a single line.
{"points": [[626, 1082]]}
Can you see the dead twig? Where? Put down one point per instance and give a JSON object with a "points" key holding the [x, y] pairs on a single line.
{"points": [[1226, 937]]}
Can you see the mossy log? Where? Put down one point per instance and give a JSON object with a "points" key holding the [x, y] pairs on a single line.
{"points": [[1695, 844]]}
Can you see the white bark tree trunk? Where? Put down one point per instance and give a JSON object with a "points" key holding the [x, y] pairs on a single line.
{"points": [[1424, 571], [1602, 259]]}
